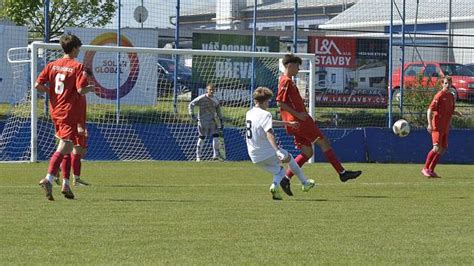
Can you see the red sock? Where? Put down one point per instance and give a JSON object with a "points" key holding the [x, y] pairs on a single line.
{"points": [[66, 166], [54, 163], [76, 164], [300, 160], [435, 160], [331, 157], [429, 159]]}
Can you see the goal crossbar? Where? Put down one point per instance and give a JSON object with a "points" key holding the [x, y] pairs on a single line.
{"points": [[36, 49]]}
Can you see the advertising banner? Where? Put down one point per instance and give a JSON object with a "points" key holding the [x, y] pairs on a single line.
{"points": [[15, 36], [234, 74], [138, 72], [351, 72]]}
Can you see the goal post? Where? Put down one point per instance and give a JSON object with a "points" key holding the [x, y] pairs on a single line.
{"points": [[153, 121]]}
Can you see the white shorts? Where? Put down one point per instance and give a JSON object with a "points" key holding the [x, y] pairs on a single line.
{"points": [[273, 166]]}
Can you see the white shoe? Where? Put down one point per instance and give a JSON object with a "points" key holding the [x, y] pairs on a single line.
{"points": [[275, 193], [198, 160], [79, 182], [309, 184]]}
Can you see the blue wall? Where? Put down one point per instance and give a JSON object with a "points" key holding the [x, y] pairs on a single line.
{"points": [[350, 145]]}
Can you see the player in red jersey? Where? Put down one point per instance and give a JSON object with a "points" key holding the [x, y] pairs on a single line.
{"points": [[80, 143], [439, 115], [66, 79], [292, 108]]}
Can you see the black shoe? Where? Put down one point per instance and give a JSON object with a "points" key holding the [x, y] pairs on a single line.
{"points": [[349, 175], [285, 186]]}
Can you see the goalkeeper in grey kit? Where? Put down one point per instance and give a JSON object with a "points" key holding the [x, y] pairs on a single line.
{"points": [[209, 110]]}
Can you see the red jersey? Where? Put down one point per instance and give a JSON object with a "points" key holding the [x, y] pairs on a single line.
{"points": [[442, 107], [289, 94], [65, 76]]}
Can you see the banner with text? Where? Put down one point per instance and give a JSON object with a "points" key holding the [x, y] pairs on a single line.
{"points": [[138, 72], [13, 77], [351, 72], [232, 75]]}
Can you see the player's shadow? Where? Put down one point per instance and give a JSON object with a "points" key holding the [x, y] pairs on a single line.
{"points": [[139, 186], [370, 197], [153, 200], [313, 200]]}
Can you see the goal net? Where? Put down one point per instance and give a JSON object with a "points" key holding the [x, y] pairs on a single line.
{"points": [[139, 109]]}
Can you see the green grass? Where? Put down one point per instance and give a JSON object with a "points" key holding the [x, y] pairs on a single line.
{"points": [[222, 214]]}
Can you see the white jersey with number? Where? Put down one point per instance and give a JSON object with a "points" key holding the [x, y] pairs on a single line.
{"points": [[258, 122]]}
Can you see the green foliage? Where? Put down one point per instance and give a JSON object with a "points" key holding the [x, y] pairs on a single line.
{"points": [[187, 213], [417, 98], [73, 13]]}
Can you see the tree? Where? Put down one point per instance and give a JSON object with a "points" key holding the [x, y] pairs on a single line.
{"points": [[70, 13]]}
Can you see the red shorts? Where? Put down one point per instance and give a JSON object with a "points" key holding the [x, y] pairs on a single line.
{"points": [[307, 134], [440, 138], [65, 131]]}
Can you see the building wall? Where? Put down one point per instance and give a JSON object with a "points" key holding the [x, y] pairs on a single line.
{"points": [[464, 55]]}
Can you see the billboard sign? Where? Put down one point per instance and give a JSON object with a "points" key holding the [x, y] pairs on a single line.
{"points": [[138, 80], [14, 36], [351, 72], [234, 74], [333, 51]]}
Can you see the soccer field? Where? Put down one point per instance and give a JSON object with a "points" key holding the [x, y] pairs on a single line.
{"points": [[222, 214]]}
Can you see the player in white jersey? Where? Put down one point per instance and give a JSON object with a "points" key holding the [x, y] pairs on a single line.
{"points": [[262, 147], [209, 109]]}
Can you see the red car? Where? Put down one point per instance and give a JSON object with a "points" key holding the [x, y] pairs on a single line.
{"points": [[463, 77]]}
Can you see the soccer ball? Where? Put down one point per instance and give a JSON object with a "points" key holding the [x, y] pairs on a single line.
{"points": [[401, 128]]}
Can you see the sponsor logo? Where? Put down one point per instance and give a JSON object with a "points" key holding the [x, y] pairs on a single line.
{"points": [[333, 52], [351, 100], [107, 65]]}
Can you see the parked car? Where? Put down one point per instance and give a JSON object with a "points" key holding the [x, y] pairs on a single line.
{"points": [[166, 70], [470, 67], [431, 72]]}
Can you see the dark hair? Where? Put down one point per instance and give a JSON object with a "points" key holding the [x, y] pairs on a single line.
{"points": [[262, 94], [291, 58], [69, 42]]}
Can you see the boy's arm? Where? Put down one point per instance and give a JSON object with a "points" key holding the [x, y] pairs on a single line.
{"points": [[271, 139], [191, 108], [86, 89], [429, 116], [41, 87], [278, 123], [301, 116], [280, 153], [42, 80], [219, 114]]}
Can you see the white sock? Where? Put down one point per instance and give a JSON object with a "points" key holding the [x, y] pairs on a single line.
{"points": [[296, 169], [278, 177], [76, 177], [200, 145], [65, 182], [215, 147], [50, 178]]}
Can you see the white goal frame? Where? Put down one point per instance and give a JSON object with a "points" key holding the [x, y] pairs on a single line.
{"points": [[35, 47]]}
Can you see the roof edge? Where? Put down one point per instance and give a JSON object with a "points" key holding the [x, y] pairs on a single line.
{"points": [[395, 22]]}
